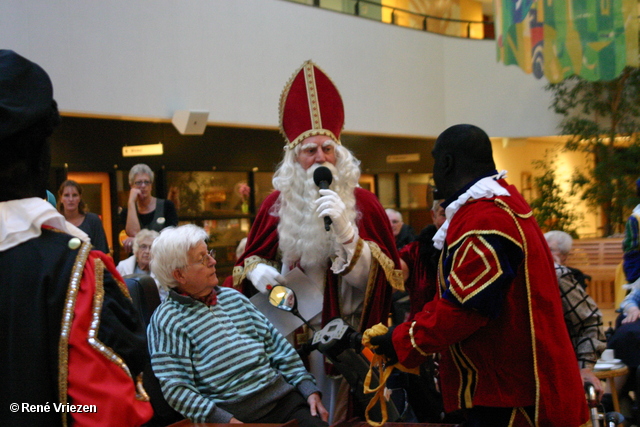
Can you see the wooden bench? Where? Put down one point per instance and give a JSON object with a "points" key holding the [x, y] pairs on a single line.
{"points": [[598, 258]]}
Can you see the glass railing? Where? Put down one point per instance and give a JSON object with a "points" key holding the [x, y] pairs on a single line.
{"points": [[386, 12]]}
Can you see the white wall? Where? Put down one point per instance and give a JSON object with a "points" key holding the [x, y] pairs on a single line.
{"points": [[502, 100], [148, 58]]}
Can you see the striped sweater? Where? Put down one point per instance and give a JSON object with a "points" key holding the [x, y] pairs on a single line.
{"points": [[224, 360]]}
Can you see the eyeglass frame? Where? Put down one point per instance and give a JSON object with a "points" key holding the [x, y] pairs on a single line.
{"points": [[142, 182], [205, 259]]}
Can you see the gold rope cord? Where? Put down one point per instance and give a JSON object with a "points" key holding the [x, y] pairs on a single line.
{"points": [[380, 362]]}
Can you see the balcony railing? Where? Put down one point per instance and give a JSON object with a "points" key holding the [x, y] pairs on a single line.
{"points": [[406, 18]]}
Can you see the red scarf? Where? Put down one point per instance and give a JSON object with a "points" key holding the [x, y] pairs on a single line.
{"points": [[208, 300]]}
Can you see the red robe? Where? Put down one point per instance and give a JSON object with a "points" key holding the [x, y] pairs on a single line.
{"points": [[373, 228], [498, 319], [419, 256]]}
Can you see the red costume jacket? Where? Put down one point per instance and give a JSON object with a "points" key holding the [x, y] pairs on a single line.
{"points": [[373, 228], [497, 318]]}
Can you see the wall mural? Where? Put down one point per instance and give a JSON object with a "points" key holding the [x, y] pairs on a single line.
{"points": [[559, 38]]}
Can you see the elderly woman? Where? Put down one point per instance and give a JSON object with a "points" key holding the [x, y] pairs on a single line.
{"points": [[71, 205], [139, 262], [581, 313], [143, 210], [218, 359], [560, 244]]}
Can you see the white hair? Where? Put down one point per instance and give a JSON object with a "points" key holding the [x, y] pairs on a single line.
{"points": [[301, 232], [143, 235], [170, 251], [137, 170], [559, 240], [390, 211]]}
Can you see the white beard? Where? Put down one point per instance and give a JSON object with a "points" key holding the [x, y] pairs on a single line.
{"points": [[301, 232]]}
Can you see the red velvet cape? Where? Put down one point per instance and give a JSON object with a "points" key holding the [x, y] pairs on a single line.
{"points": [[96, 374]]}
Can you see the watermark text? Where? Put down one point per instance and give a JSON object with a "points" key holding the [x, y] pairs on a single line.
{"points": [[53, 407]]}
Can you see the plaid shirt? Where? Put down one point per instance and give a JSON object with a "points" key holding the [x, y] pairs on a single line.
{"points": [[582, 317]]}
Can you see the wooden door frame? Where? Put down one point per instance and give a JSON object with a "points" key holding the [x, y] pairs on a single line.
{"points": [[101, 178]]}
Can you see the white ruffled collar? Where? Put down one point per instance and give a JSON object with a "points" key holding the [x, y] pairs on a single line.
{"points": [[483, 188], [21, 220]]}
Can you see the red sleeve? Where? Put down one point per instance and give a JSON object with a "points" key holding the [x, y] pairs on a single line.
{"points": [[262, 240], [440, 324]]}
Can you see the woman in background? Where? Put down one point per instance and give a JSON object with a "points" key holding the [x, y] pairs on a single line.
{"points": [[71, 205], [143, 210], [139, 262]]}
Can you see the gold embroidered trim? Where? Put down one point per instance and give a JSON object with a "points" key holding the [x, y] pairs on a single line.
{"points": [[394, 277], [464, 363], [460, 379], [240, 273], [371, 279], [501, 204], [67, 320], [312, 97], [480, 276], [485, 232], [92, 338], [514, 412], [413, 341], [356, 257], [506, 207], [526, 416], [141, 393]]}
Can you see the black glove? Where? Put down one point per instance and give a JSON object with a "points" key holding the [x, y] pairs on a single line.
{"points": [[384, 347]]}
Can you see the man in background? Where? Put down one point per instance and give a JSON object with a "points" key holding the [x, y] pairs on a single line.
{"points": [[70, 335], [402, 232]]}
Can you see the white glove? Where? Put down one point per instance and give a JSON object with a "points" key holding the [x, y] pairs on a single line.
{"points": [[264, 275], [331, 205]]}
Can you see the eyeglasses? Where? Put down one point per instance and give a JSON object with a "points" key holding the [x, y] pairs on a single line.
{"points": [[144, 247], [141, 183], [205, 258]]}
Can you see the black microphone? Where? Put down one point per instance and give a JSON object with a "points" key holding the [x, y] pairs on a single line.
{"points": [[322, 177]]}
